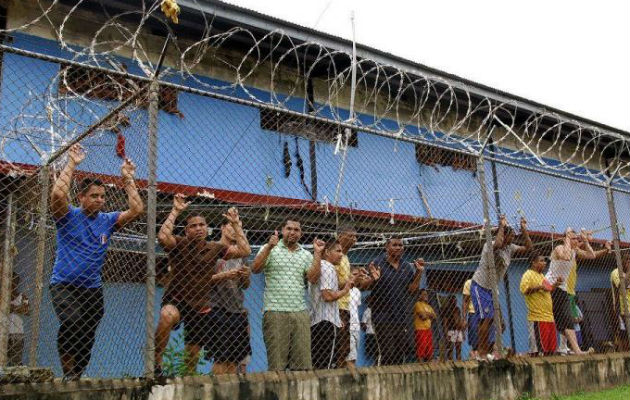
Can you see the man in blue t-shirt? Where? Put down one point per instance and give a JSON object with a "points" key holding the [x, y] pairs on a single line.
{"points": [[83, 235]]}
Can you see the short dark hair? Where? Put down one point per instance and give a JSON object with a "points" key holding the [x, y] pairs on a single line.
{"points": [[507, 231], [393, 237], [87, 183], [287, 220], [330, 244], [422, 291], [193, 215], [346, 227], [533, 256]]}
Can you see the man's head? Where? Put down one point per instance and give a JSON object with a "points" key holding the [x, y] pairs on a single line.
{"points": [[196, 227], [291, 232], [394, 247], [537, 262], [333, 251], [572, 238], [91, 195], [424, 295], [347, 236], [508, 236]]}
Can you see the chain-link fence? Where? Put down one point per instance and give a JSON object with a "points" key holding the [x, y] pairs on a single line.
{"points": [[176, 224]]}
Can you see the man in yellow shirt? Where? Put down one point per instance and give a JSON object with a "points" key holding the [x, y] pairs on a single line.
{"points": [[615, 282], [347, 237], [423, 314], [540, 323], [468, 309]]}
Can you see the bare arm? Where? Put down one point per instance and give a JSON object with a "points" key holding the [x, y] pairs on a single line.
{"points": [[528, 241], [261, 258], [334, 295], [587, 252], [315, 271], [136, 205], [165, 235], [414, 286], [241, 248], [606, 250], [59, 204], [498, 239]]}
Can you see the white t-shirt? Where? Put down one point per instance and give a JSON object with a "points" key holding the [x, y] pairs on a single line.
{"points": [[16, 325], [324, 310], [355, 302], [502, 258], [560, 269], [367, 320]]}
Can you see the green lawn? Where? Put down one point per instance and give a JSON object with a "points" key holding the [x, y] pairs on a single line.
{"points": [[619, 393]]}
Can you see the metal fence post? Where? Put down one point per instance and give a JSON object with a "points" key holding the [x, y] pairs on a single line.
{"points": [[615, 231], [481, 173], [7, 279], [149, 356], [44, 178]]}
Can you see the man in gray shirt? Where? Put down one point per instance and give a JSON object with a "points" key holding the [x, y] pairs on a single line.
{"points": [[482, 285], [228, 328]]}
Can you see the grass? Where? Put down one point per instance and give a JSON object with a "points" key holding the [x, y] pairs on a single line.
{"points": [[618, 393]]}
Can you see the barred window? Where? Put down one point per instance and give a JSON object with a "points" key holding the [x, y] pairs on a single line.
{"points": [[435, 156], [103, 86], [283, 122]]}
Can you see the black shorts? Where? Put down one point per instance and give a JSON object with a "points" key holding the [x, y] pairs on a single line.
{"points": [[185, 311], [79, 311], [561, 305], [226, 336]]}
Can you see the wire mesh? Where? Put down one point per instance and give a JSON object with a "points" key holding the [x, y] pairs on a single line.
{"points": [[424, 223]]}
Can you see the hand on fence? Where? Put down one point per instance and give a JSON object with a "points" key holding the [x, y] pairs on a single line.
{"points": [[76, 154], [180, 203], [128, 169], [608, 246], [232, 216]]}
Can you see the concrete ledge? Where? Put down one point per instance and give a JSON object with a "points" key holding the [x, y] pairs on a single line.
{"points": [[503, 379]]}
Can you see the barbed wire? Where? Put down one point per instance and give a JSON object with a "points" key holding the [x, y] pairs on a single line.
{"points": [[400, 103]]}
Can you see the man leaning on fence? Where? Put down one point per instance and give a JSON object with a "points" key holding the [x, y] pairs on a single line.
{"points": [[193, 261], [563, 257], [227, 339], [481, 287], [83, 236], [286, 322]]}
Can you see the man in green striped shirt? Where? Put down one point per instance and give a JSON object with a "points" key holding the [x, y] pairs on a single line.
{"points": [[286, 322]]}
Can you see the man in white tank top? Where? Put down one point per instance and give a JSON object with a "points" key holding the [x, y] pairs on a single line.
{"points": [[563, 257]]}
